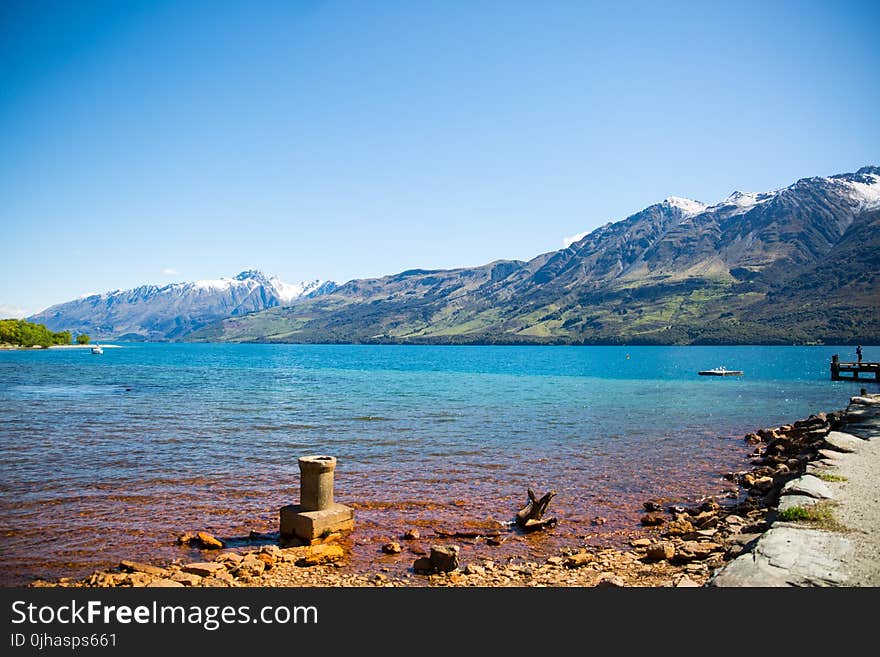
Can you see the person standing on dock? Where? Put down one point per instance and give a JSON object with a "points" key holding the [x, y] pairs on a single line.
{"points": [[859, 353]]}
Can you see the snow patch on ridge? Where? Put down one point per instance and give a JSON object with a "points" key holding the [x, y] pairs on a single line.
{"points": [[209, 284], [688, 207], [865, 193], [745, 201], [568, 241], [251, 279], [862, 187], [289, 291]]}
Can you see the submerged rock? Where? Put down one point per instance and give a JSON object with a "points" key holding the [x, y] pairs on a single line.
{"points": [[203, 540], [423, 565], [444, 557]]}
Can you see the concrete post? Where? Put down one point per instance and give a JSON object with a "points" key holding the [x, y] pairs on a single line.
{"points": [[317, 514], [316, 482]]}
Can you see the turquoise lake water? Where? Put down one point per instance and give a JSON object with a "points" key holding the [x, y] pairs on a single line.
{"points": [[108, 456]]}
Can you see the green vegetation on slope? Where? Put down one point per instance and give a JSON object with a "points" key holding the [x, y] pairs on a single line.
{"points": [[20, 333], [801, 268]]}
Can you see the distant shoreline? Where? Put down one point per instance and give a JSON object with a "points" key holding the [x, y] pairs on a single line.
{"points": [[12, 347]]}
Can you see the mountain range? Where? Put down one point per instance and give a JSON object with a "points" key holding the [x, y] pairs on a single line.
{"points": [[796, 265], [169, 312]]}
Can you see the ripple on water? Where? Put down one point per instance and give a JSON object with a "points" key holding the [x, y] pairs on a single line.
{"points": [[209, 435]]}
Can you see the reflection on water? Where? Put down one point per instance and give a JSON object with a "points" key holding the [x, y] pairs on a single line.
{"points": [[113, 457]]}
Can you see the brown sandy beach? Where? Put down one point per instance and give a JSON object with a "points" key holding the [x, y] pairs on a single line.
{"points": [[674, 547]]}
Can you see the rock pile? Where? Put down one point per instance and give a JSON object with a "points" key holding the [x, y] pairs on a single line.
{"points": [[227, 568]]}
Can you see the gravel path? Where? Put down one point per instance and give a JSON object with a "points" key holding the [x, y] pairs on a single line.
{"points": [[858, 499]]}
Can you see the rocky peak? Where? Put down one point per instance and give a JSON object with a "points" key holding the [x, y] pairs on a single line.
{"points": [[687, 206], [254, 275], [171, 311]]}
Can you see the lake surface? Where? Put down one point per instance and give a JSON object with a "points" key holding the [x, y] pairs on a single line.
{"points": [[108, 457]]}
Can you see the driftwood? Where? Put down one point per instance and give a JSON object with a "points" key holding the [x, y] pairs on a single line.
{"points": [[531, 517]]}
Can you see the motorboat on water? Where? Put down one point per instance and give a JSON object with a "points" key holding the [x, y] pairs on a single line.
{"points": [[720, 371], [97, 350]]}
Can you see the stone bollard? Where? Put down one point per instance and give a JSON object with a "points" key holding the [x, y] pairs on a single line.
{"points": [[317, 514], [316, 482]]}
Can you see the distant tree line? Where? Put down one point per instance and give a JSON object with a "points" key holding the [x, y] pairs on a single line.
{"points": [[27, 334]]}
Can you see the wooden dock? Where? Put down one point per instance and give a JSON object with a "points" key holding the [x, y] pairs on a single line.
{"points": [[869, 370]]}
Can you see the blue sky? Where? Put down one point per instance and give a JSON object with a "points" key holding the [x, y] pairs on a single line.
{"points": [[160, 141]]}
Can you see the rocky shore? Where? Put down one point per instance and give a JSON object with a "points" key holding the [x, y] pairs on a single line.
{"points": [[716, 542]]}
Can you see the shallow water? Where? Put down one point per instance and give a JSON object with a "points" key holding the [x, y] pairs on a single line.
{"points": [[107, 457]]}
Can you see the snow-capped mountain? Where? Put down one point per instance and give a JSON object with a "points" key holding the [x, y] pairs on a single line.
{"points": [[250, 280], [152, 312], [688, 207], [796, 264]]}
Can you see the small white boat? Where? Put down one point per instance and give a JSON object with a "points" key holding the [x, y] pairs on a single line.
{"points": [[97, 350], [720, 371]]}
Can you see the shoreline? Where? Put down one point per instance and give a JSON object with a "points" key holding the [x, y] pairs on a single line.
{"points": [[827, 532], [6, 347], [682, 547], [86, 346]]}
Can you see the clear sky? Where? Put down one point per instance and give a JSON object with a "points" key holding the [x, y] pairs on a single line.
{"points": [[153, 142]]}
